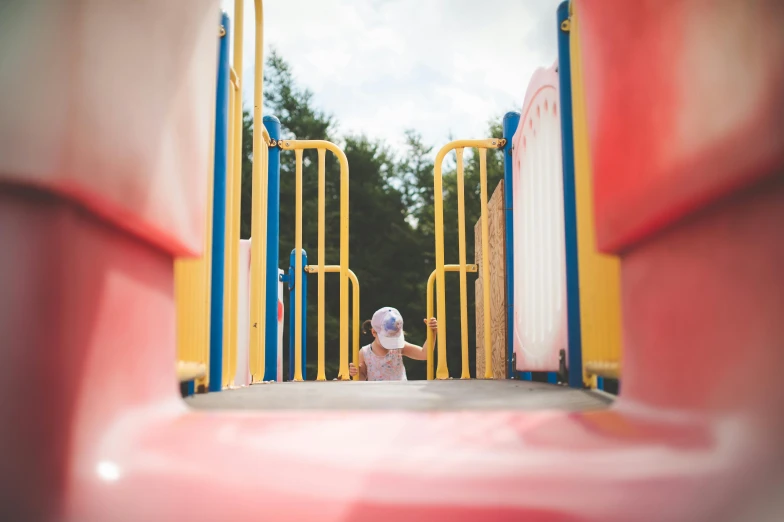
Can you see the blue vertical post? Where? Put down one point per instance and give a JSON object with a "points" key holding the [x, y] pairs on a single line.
{"points": [[526, 376], [219, 212], [511, 121], [600, 383], [292, 316], [552, 377], [575, 351], [272, 124]]}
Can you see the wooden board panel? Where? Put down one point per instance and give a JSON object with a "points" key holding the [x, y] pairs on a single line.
{"points": [[496, 226]]}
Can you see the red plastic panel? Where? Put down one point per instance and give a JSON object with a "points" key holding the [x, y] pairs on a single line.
{"points": [[111, 103], [90, 314], [684, 101], [703, 304]]}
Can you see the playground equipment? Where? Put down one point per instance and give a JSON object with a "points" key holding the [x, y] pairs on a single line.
{"points": [[538, 305], [223, 244], [92, 225], [261, 317], [538, 234]]}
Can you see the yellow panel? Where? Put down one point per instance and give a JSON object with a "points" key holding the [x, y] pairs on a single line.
{"points": [[232, 235], [258, 245], [600, 303], [192, 300]]}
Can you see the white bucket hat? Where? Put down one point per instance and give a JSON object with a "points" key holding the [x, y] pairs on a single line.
{"points": [[388, 325]]}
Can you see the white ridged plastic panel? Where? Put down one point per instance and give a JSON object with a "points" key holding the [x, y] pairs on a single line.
{"points": [[540, 265], [242, 377]]}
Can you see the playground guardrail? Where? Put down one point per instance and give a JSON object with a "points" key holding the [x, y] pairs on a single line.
{"points": [[321, 146], [442, 372]]}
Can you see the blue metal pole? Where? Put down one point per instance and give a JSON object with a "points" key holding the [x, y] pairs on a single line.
{"points": [[304, 316], [526, 376], [272, 124], [511, 121], [292, 317], [552, 377], [219, 211], [575, 355]]}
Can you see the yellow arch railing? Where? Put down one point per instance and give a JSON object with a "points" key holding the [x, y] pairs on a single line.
{"points": [[482, 145], [311, 269], [298, 146], [430, 282]]}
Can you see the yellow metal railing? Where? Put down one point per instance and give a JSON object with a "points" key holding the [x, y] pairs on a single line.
{"points": [[298, 146], [430, 283], [314, 269], [600, 303], [442, 371], [232, 233]]}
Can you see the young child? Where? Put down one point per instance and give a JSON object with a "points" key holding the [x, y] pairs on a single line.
{"points": [[383, 359]]}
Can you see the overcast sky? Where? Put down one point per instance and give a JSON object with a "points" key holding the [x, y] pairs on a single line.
{"points": [[442, 67]]}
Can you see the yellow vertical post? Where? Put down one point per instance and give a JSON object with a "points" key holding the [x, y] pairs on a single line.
{"points": [[485, 264], [442, 372], [430, 281], [298, 266], [461, 240], [343, 373], [321, 376], [235, 166], [259, 212], [256, 345], [355, 315], [235, 153]]}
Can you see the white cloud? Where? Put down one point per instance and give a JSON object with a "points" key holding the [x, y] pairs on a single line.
{"points": [[442, 67]]}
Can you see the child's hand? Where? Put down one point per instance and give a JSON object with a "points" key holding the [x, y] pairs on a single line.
{"points": [[352, 370], [432, 324]]}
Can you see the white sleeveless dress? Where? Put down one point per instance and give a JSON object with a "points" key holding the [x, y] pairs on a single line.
{"points": [[387, 367]]}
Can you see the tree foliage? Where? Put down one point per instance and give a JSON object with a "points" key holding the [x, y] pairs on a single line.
{"points": [[390, 220]]}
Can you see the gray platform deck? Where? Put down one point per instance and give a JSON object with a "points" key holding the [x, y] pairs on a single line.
{"points": [[453, 395]]}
